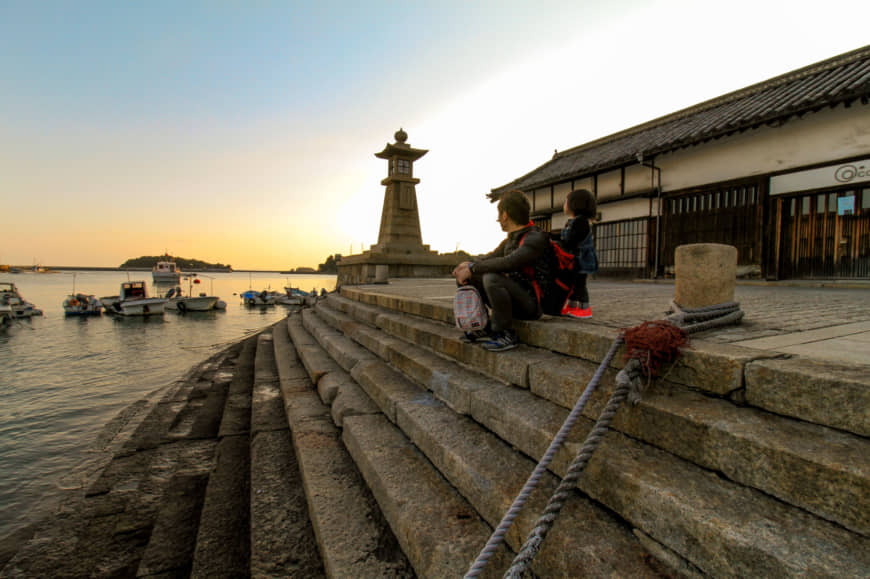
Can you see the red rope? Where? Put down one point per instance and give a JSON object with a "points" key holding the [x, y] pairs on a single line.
{"points": [[653, 344]]}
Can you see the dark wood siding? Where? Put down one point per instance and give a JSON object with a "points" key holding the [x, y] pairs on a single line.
{"points": [[820, 237], [728, 214]]}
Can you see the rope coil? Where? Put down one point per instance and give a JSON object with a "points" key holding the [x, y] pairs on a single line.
{"points": [[648, 346]]}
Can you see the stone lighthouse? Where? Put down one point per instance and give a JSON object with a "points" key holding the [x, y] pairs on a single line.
{"points": [[400, 220], [400, 251]]}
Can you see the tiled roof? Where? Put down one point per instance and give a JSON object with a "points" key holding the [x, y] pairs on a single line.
{"points": [[839, 80]]}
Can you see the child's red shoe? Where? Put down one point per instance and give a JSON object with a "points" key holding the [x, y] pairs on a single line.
{"points": [[577, 312]]}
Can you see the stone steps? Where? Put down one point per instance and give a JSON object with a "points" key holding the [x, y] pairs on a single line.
{"points": [[278, 505], [434, 526], [826, 394], [352, 535], [222, 543], [682, 511], [485, 470], [822, 470]]}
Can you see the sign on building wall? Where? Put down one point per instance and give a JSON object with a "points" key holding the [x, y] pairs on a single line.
{"points": [[830, 176]]}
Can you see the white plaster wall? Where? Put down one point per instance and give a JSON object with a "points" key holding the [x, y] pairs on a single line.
{"points": [[609, 185], [628, 209], [827, 135], [637, 179], [588, 183], [541, 199]]}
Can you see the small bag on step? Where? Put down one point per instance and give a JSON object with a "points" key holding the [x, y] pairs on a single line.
{"points": [[469, 310]]}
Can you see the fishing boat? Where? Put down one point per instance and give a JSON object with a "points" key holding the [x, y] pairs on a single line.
{"points": [[79, 304], [19, 307], [263, 298], [82, 305], [133, 300], [165, 272], [181, 303], [293, 297]]}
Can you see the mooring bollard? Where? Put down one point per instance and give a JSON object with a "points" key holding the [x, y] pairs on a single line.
{"points": [[382, 273], [705, 274]]}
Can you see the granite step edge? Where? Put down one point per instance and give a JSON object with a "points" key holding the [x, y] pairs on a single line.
{"points": [[353, 537], [281, 533], [220, 549]]}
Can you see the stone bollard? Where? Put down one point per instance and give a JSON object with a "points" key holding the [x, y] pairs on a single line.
{"points": [[705, 274], [382, 274]]}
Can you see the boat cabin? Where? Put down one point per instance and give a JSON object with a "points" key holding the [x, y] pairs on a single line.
{"points": [[9, 294], [132, 290], [165, 267]]}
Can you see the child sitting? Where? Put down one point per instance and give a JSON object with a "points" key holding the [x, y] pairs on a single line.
{"points": [[577, 238]]}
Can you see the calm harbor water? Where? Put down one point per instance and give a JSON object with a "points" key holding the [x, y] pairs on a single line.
{"points": [[62, 379]]}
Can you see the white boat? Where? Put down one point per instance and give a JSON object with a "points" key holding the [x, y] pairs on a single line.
{"points": [[165, 272], [20, 307], [133, 300], [181, 303], [82, 305]]}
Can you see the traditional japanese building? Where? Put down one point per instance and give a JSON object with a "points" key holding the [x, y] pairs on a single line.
{"points": [[780, 169]]}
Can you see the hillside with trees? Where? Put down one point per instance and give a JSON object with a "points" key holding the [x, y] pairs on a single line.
{"points": [[331, 264], [185, 264]]}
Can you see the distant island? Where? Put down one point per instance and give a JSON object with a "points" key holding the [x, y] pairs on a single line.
{"points": [[330, 266], [185, 264]]}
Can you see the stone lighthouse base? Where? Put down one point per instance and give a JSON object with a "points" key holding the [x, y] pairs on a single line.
{"points": [[376, 267]]}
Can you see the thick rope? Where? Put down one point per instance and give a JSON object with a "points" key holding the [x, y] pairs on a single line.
{"points": [[498, 535], [630, 380], [523, 559]]}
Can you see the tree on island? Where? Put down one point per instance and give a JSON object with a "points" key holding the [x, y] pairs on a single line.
{"points": [[331, 264], [149, 261]]}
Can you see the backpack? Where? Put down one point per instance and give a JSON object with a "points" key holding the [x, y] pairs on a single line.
{"points": [[553, 277], [469, 310]]}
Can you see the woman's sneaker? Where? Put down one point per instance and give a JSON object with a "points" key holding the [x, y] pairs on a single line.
{"points": [[500, 341], [573, 312]]}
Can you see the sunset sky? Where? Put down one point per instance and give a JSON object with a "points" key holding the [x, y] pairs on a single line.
{"points": [[245, 132]]}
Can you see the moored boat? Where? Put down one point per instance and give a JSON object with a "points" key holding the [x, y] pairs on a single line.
{"points": [[82, 305], [263, 298], [181, 303], [133, 300], [19, 307], [293, 296], [165, 272]]}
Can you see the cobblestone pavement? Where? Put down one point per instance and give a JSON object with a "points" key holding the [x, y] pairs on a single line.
{"points": [[770, 309]]}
